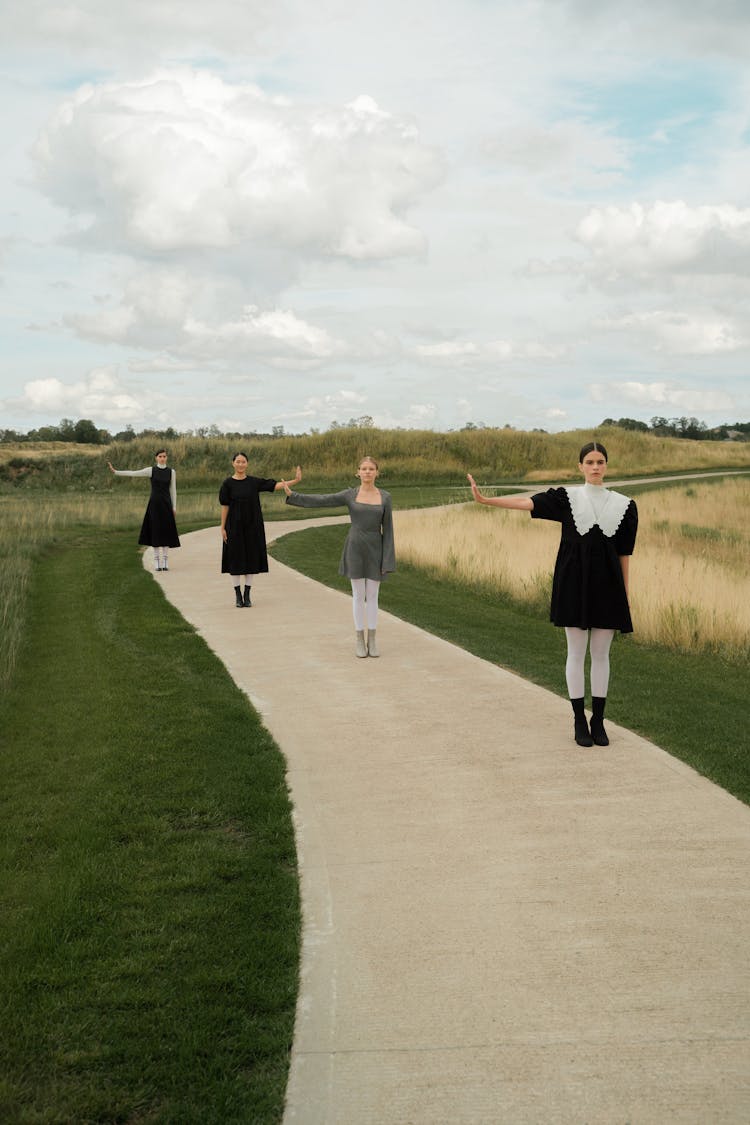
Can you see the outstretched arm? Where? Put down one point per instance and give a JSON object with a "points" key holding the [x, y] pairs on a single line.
{"points": [[520, 503], [285, 484], [130, 472], [311, 500]]}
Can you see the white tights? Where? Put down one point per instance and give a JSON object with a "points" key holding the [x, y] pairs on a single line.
{"points": [[599, 645], [238, 579], [365, 602]]}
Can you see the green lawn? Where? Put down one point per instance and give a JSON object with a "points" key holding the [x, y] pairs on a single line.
{"points": [[150, 915], [694, 706]]}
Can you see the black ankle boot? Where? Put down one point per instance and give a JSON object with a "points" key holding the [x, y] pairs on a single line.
{"points": [[238, 597], [581, 727], [247, 597], [598, 733]]}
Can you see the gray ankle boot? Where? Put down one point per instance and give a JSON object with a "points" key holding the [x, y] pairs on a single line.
{"points": [[372, 645], [361, 649]]}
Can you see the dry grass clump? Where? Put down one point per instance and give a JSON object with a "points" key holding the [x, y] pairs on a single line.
{"points": [[690, 581]]}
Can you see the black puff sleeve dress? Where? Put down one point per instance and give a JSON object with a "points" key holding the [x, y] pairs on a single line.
{"points": [[245, 549], [588, 589]]}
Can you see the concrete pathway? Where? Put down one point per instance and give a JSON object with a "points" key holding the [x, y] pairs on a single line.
{"points": [[499, 927]]}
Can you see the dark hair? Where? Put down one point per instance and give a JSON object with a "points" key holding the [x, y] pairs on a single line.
{"points": [[239, 453], [159, 451], [592, 447]]}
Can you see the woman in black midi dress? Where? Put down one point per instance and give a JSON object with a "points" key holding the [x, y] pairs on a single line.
{"points": [[159, 529], [590, 582], [243, 533]]}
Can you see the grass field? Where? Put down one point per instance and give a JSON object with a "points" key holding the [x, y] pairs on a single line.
{"points": [[149, 913]]}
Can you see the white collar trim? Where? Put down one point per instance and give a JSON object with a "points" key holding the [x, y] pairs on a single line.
{"points": [[584, 516]]}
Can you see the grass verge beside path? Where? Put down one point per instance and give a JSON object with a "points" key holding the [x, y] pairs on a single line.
{"points": [[149, 906], [694, 706]]}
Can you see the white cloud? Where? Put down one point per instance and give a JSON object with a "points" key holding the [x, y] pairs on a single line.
{"points": [[190, 318], [666, 238], [663, 396], [100, 395], [184, 160], [277, 334], [681, 333]]}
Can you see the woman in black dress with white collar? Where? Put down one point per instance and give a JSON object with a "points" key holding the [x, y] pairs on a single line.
{"points": [[590, 583]]}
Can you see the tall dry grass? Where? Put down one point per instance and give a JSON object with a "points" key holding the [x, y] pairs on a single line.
{"points": [[407, 457], [690, 579]]}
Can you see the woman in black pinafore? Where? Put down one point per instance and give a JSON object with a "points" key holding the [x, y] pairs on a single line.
{"points": [[590, 583], [159, 529]]}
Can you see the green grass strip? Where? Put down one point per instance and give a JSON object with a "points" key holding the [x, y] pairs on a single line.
{"points": [[693, 705], [150, 914]]}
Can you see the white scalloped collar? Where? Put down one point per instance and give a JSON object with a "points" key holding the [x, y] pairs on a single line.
{"points": [[584, 516]]}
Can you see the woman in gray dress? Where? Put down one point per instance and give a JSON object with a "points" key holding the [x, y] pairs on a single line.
{"points": [[368, 553]]}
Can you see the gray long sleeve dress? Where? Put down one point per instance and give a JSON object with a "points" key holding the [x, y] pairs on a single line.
{"points": [[368, 550]]}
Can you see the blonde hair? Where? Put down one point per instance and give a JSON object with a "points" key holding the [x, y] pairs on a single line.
{"points": [[370, 459]]}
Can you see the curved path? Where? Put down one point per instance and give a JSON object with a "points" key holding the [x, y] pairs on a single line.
{"points": [[499, 927]]}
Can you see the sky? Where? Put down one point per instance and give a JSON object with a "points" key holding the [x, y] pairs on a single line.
{"points": [[272, 213]]}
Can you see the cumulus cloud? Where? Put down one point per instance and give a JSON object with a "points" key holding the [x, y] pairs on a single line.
{"points": [[663, 396], [185, 316], [666, 238], [185, 161], [100, 394], [681, 333], [276, 334]]}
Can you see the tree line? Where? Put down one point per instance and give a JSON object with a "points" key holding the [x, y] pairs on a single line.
{"points": [[684, 427], [85, 432]]}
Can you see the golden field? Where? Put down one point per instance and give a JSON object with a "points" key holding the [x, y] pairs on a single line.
{"points": [[689, 576]]}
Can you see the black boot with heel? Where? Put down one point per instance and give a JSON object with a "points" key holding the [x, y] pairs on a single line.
{"points": [[238, 597], [581, 727], [598, 733]]}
